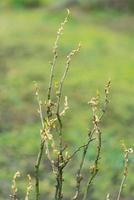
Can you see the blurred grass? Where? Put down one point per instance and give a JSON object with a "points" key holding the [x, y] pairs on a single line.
{"points": [[26, 39]]}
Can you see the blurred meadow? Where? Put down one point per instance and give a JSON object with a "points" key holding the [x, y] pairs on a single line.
{"points": [[27, 35]]}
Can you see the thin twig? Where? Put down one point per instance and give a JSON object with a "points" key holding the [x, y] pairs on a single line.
{"points": [[81, 147], [29, 187], [42, 143], [60, 160], [96, 120], [95, 167], [125, 174], [79, 176], [53, 63], [76, 151], [13, 196], [39, 157], [59, 93], [37, 166]]}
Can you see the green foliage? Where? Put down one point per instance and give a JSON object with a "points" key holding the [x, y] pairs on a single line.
{"points": [[24, 3], [86, 4]]}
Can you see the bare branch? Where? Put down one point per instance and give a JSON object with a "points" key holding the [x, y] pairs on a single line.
{"points": [[96, 120], [53, 63], [14, 186], [60, 160], [95, 167], [125, 173], [29, 187], [42, 143]]}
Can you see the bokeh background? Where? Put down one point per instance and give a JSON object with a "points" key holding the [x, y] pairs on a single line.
{"points": [[28, 29]]}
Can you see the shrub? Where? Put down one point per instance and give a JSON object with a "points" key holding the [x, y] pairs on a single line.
{"points": [[51, 113]]}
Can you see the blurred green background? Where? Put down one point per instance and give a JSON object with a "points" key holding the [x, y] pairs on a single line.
{"points": [[27, 33]]}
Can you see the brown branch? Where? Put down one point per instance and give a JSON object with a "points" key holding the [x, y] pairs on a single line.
{"points": [[79, 176], [106, 100], [59, 93], [37, 166], [53, 63], [96, 120], [81, 147], [125, 173], [95, 167], [42, 143], [64, 163], [60, 161]]}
